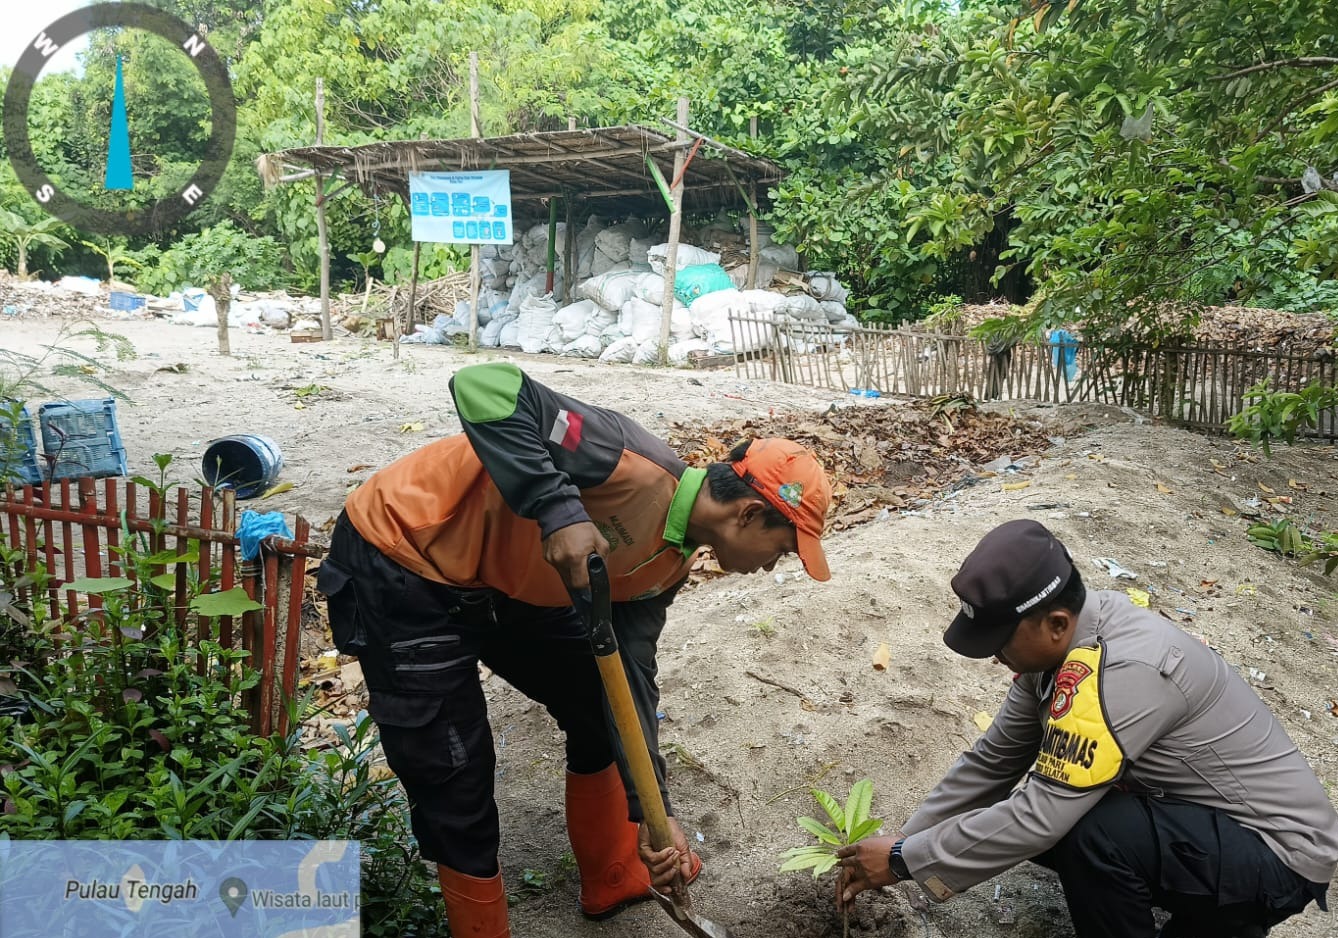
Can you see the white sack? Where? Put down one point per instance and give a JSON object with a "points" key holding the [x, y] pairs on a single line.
{"points": [[572, 319], [640, 320], [825, 286], [599, 320], [801, 307], [834, 311], [491, 334], [681, 352], [623, 350], [586, 346], [536, 323], [688, 256], [780, 255], [611, 290], [647, 353], [650, 287]]}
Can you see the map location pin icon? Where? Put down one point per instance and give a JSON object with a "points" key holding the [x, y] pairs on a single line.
{"points": [[233, 893]]}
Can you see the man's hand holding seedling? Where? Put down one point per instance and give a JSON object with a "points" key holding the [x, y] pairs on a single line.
{"points": [[864, 865]]}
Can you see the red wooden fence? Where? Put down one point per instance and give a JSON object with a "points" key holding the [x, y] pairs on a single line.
{"points": [[74, 529]]}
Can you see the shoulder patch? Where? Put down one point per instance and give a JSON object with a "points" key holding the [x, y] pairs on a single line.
{"points": [[1079, 749], [484, 393]]}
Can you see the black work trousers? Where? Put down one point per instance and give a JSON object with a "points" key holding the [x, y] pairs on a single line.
{"points": [[1216, 878], [420, 642]]}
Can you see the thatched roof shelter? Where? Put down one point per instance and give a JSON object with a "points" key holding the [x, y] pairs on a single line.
{"points": [[604, 170]]}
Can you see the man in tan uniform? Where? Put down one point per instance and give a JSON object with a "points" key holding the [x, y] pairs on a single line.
{"points": [[1154, 776]]}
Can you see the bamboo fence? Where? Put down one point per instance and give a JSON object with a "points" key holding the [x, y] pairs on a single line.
{"points": [[1199, 387]]}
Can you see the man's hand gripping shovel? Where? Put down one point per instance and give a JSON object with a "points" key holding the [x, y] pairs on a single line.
{"points": [[605, 645]]}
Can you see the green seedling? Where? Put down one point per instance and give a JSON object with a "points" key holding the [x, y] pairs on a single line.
{"points": [[1281, 536], [849, 825], [764, 627]]}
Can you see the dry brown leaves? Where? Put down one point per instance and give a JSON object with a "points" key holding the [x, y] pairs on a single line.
{"points": [[1233, 326], [896, 456]]}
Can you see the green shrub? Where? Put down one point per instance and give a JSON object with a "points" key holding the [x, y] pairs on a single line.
{"points": [[133, 732], [256, 263], [1271, 415]]}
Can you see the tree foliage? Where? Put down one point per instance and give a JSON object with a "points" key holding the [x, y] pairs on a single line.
{"points": [[1110, 159]]}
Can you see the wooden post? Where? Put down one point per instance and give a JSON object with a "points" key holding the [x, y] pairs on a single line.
{"points": [[322, 229], [475, 265], [753, 251], [552, 245], [568, 273], [571, 123], [221, 291], [675, 229], [411, 316]]}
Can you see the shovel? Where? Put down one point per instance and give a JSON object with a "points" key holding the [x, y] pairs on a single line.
{"points": [[625, 717]]}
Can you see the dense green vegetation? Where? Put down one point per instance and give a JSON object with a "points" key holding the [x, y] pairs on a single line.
{"points": [[1108, 156]]}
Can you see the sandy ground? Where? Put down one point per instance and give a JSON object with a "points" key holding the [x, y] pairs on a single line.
{"points": [[743, 752]]}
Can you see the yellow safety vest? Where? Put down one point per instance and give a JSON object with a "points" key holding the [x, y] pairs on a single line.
{"points": [[1078, 748]]}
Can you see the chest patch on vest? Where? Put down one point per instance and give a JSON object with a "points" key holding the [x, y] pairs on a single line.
{"points": [[1079, 749]]}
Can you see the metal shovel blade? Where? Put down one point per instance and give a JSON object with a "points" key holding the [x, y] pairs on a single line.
{"points": [[688, 920]]}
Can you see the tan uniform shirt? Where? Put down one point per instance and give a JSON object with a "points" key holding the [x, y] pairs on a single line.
{"points": [[1188, 727]]}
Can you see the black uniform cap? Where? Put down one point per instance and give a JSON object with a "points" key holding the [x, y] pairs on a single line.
{"points": [[1013, 569]]}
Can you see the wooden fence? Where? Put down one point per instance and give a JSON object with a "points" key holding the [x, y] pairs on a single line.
{"points": [[1199, 387], [75, 529]]}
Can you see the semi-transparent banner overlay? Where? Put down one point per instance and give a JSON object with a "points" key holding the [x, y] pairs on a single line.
{"points": [[257, 889]]}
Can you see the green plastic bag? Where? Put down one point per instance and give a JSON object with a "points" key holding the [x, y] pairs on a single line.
{"points": [[699, 280]]}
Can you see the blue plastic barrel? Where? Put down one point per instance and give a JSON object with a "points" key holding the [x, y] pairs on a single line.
{"points": [[247, 462]]}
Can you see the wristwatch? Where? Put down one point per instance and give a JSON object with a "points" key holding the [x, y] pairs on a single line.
{"points": [[897, 863]]}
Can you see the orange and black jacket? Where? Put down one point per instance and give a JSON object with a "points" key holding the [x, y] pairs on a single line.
{"points": [[472, 510]]}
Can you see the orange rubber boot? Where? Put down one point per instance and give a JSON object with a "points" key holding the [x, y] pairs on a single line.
{"points": [[605, 844], [475, 908]]}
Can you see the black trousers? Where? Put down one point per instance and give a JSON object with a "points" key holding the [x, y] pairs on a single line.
{"points": [[420, 642], [1216, 878]]}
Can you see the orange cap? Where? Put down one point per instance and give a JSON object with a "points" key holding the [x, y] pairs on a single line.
{"points": [[793, 482]]}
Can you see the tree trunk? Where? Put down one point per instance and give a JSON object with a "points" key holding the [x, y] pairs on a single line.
{"points": [[23, 261], [221, 291]]}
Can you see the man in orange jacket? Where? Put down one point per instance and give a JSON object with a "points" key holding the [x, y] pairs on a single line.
{"points": [[472, 548]]}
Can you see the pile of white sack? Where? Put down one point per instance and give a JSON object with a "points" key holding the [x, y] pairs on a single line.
{"points": [[619, 275]]}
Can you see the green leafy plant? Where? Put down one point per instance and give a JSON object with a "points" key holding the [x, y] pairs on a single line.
{"points": [[1323, 549], [849, 825], [24, 235], [201, 259], [128, 728], [115, 253], [1281, 536], [1270, 415], [766, 627], [946, 405]]}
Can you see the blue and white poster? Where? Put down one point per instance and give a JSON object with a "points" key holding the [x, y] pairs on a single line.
{"points": [[461, 208]]}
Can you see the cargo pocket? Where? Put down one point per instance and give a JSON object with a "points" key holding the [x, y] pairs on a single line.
{"points": [[341, 598], [431, 664], [1208, 765], [422, 745]]}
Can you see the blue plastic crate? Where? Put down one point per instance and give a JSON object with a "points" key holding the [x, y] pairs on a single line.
{"points": [[18, 450], [83, 437], [127, 301]]}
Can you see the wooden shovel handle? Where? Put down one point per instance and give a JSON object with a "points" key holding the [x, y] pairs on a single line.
{"points": [[634, 747], [619, 693]]}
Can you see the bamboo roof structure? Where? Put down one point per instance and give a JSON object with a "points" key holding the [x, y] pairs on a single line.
{"points": [[604, 169]]}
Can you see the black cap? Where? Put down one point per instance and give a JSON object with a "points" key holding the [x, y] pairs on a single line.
{"points": [[1013, 569]]}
